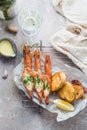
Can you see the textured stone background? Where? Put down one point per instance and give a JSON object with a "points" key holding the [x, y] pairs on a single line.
{"points": [[16, 111]]}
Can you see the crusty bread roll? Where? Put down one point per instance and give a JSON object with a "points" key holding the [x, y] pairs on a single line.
{"points": [[67, 92], [58, 79], [79, 92]]}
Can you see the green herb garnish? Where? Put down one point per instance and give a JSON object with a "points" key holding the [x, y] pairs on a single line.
{"points": [[46, 85], [31, 79], [38, 80], [25, 81], [39, 83], [28, 79]]}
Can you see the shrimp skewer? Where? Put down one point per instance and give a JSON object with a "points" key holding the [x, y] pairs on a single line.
{"points": [[28, 74], [47, 80], [39, 79]]}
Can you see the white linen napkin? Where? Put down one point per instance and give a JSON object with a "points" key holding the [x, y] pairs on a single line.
{"points": [[74, 10], [71, 40]]}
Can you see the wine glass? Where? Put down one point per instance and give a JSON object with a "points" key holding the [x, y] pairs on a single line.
{"points": [[30, 19]]}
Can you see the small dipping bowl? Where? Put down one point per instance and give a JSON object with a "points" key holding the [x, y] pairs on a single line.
{"points": [[8, 48]]}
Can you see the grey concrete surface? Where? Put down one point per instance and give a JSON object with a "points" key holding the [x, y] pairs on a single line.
{"points": [[16, 111]]}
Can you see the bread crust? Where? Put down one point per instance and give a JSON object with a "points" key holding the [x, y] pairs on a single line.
{"points": [[79, 92], [67, 92], [58, 80]]}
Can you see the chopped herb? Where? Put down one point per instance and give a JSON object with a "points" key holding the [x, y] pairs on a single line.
{"points": [[38, 80], [27, 79], [46, 85], [31, 78], [39, 83]]}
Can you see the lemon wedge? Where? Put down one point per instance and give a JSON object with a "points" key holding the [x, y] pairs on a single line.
{"points": [[63, 105]]}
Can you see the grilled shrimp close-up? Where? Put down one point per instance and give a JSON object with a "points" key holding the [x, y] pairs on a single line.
{"points": [[47, 80], [39, 76], [36, 79], [28, 74]]}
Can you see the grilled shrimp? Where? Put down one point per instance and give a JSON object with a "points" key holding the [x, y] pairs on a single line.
{"points": [[47, 80], [28, 74], [39, 80]]}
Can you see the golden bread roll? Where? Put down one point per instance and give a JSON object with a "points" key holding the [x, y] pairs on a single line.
{"points": [[67, 92], [79, 92], [58, 79], [63, 78]]}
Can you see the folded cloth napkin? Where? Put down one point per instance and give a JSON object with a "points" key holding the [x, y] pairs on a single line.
{"points": [[74, 10], [72, 40]]}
